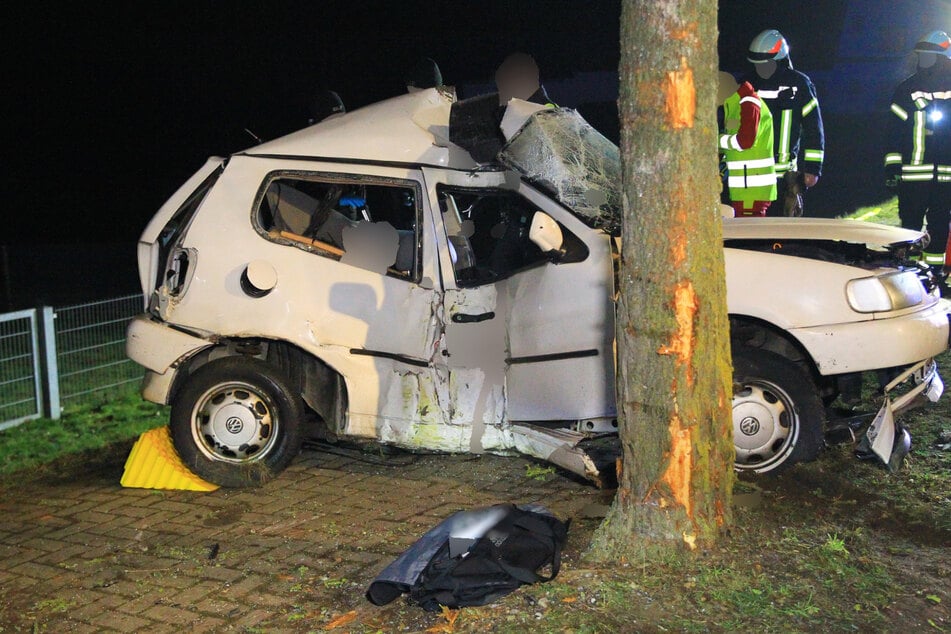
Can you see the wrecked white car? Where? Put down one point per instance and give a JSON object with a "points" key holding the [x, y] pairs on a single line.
{"points": [[368, 279]]}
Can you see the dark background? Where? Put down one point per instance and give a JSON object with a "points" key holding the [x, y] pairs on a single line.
{"points": [[108, 107]]}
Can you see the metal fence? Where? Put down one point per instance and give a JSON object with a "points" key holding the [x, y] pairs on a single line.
{"points": [[20, 385], [50, 357]]}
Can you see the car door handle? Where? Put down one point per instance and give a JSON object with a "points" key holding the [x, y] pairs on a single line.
{"points": [[462, 318]]}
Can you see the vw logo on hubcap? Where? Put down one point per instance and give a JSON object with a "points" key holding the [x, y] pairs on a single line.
{"points": [[234, 424], [749, 426]]}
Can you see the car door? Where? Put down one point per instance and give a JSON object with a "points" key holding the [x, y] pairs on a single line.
{"points": [[540, 334], [354, 244], [354, 262]]}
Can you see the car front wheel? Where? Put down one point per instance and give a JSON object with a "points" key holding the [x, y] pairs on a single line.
{"points": [[236, 422], [777, 415]]}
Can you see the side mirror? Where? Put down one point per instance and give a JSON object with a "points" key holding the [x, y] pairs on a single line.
{"points": [[546, 235]]}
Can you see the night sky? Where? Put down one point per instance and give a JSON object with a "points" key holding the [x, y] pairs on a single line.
{"points": [[111, 105]]}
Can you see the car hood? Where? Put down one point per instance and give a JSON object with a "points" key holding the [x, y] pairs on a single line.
{"points": [[855, 231]]}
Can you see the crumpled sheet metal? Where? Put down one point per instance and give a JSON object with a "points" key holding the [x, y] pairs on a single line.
{"points": [[560, 152]]}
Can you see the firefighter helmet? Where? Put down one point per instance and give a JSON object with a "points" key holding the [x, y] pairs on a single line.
{"points": [[934, 42], [768, 45]]}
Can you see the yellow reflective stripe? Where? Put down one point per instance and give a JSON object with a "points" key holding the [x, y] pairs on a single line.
{"points": [[899, 112], [893, 158], [929, 167], [809, 107], [944, 169], [918, 138], [814, 155], [933, 258], [916, 177], [785, 127]]}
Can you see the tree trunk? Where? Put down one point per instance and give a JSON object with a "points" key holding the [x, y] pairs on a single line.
{"points": [[674, 371]]}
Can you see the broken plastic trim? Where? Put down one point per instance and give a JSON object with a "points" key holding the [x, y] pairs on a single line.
{"points": [[887, 440], [557, 356], [390, 355]]}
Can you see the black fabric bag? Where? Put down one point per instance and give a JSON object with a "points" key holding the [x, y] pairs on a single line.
{"points": [[513, 547]]}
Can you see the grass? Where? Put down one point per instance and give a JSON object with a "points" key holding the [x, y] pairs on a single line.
{"points": [[81, 428], [885, 213]]}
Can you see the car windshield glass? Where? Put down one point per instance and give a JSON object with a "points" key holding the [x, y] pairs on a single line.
{"points": [[559, 152]]}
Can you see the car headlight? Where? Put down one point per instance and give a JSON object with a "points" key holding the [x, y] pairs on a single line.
{"points": [[881, 293]]}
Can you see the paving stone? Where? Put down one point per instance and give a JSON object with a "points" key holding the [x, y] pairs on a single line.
{"points": [[36, 571], [144, 601], [206, 624], [77, 627], [162, 628], [133, 560], [216, 606], [221, 573], [170, 614], [236, 591], [120, 621]]}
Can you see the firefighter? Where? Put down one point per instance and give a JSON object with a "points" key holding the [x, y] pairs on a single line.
{"points": [[746, 143], [798, 138], [918, 154]]}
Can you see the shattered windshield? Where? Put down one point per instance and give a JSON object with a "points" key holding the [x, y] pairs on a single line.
{"points": [[558, 151]]}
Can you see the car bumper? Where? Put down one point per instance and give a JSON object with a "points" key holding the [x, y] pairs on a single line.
{"points": [[885, 439], [879, 343], [159, 348]]}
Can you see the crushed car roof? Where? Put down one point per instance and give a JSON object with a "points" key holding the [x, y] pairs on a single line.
{"points": [[414, 129], [411, 128]]}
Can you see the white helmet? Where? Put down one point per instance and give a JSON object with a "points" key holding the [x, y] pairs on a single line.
{"points": [[935, 42], [768, 45]]}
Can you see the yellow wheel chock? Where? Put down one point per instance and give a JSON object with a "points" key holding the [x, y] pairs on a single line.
{"points": [[154, 464]]}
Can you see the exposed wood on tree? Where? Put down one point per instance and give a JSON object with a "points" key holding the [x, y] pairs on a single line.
{"points": [[674, 374], [680, 97]]}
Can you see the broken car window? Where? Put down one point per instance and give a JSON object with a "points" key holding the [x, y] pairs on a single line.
{"points": [[362, 223], [487, 232]]}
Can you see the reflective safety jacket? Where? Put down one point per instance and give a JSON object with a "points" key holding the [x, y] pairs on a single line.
{"points": [[799, 139], [919, 139], [750, 172]]}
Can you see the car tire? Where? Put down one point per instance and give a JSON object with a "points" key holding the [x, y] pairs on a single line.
{"points": [[778, 418], [236, 423]]}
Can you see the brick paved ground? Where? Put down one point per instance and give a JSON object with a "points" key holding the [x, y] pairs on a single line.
{"points": [[79, 553]]}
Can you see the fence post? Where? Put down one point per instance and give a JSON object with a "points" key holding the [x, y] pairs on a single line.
{"points": [[48, 367]]}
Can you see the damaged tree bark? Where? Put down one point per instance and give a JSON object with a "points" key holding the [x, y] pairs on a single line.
{"points": [[674, 373]]}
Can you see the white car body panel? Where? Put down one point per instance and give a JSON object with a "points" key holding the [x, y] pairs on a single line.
{"points": [[817, 229], [882, 343], [411, 128], [414, 375], [157, 347]]}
